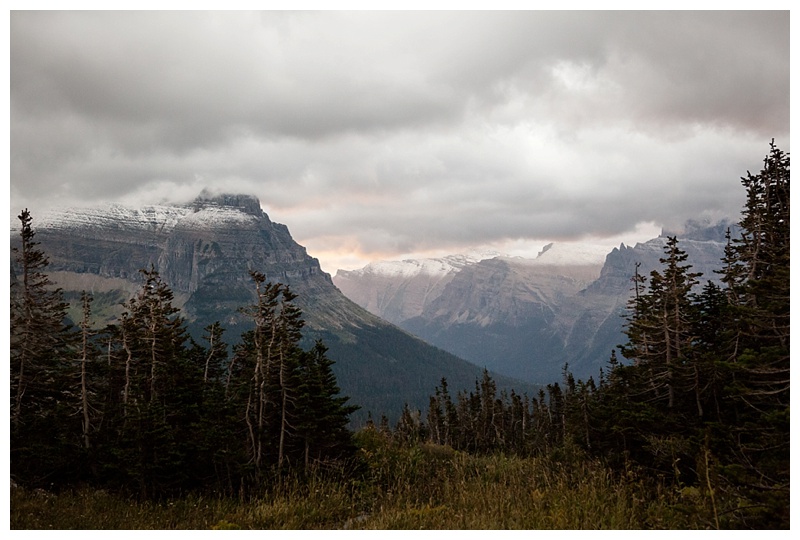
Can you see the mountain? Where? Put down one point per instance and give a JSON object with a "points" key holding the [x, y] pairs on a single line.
{"points": [[527, 318], [399, 290], [204, 251], [505, 312]]}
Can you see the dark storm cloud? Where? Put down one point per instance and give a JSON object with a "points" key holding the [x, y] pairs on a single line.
{"points": [[390, 132]]}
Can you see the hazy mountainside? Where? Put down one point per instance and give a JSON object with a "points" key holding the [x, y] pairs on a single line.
{"points": [[399, 290], [526, 318], [204, 251], [505, 313]]}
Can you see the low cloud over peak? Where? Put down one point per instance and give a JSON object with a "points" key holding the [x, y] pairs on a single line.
{"points": [[373, 133]]}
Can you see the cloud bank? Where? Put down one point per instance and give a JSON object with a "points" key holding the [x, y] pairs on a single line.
{"points": [[376, 134]]}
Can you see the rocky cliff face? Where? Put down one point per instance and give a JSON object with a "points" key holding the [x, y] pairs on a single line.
{"points": [[204, 251]]}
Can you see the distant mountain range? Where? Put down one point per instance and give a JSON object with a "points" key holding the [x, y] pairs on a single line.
{"points": [[204, 250], [400, 326], [525, 318]]}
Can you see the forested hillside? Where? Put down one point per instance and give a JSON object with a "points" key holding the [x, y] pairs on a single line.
{"points": [[139, 406], [696, 403]]}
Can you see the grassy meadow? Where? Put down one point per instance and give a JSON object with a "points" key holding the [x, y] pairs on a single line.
{"points": [[419, 487]]}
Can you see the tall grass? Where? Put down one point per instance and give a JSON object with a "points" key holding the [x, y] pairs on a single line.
{"points": [[422, 487], [434, 487]]}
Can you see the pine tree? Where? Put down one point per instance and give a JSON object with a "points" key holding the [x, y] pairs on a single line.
{"points": [[450, 415], [710, 379], [256, 354], [409, 430], [435, 419], [489, 433], [217, 354], [40, 355], [664, 383], [292, 411], [38, 331], [660, 326], [517, 423], [290, 323], [148, 438], [87, 356], [713, 338], [757, 277], [762, 257], [323, 413]]}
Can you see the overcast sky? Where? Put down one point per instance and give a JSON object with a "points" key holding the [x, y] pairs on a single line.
{"points": [[385, 134]]}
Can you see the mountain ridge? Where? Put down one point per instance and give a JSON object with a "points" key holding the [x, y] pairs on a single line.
{"points": [[204, 251], [527, 318]]}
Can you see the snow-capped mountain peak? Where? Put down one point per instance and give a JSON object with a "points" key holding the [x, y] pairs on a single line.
{"points": [[408, 268], [204, 212]]}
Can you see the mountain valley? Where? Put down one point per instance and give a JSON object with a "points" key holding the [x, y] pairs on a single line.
{"points": [[526, 318]]}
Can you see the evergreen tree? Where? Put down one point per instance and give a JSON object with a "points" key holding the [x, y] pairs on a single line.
{"points": [[292, 409], [450, 419], [660, 327], [86, 354], [247, 374], [713, 337], [756, 275], [257, 353], [664, 384], [323, 413], [489, 433], [290, 323], [217, 354], [710, 379], [38, 330], [435, 419], [40, 353], [149, 435], [88, 382]]}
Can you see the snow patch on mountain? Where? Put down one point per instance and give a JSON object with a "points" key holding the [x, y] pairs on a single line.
{"points": [[114, 216], [155, 218], [216, 217], [409, 268]]}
